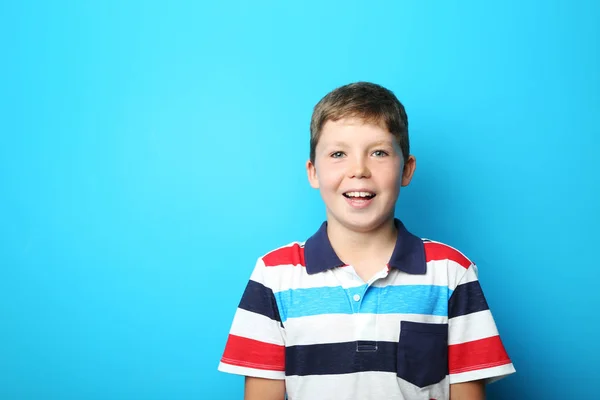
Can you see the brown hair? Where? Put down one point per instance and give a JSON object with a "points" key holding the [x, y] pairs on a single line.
{"points": [[368, 101]]}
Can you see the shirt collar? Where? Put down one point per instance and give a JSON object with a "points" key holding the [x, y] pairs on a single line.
{"points": [[408, 254]]}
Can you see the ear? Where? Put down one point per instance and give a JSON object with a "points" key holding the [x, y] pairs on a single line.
{"points": [[409, 170], [311, 171]]}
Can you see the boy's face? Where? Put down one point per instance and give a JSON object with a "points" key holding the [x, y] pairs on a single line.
{"points": [[359, 169]]}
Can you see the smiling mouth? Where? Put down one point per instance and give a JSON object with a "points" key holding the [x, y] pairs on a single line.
{"points": [[359, 195]]}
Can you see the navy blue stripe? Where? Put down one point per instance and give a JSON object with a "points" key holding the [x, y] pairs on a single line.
{"points": [[467, 299], [259, 299], [340, 358]]}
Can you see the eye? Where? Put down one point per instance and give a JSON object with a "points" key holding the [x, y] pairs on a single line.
{"points": [[380, 153], [337, 154]]}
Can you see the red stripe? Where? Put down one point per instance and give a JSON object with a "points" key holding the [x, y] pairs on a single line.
{"points": [[478, 354], [439, 251], [293, 255], [250, 353]]}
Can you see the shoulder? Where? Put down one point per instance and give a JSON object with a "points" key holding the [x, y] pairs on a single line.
{"points": [[438, 251], [456, 265], [280, 266], [289, 254]]}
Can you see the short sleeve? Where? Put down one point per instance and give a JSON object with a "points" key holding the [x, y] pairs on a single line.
{"points": [[475, 349], [255, 345]]}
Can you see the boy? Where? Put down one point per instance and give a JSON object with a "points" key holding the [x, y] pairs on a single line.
{"points": [[363, 309]]}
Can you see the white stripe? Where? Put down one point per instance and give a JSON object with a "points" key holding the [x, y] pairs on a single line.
{"points": [[286, 277], [338, 328], [258, 373], [469, 275], [256, 326], [475, 326], [490, 374], [438, 273], [361, 385]]}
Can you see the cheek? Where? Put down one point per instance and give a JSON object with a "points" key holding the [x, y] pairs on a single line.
{"points": [[330, 177], [390, 177], [328, 182]]}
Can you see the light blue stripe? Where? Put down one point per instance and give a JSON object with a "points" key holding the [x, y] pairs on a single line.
{"points": [[408, 299]]}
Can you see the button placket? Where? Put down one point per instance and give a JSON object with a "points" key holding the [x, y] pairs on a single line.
{"points": [[356, 296], [367, 329], [366, 325]]}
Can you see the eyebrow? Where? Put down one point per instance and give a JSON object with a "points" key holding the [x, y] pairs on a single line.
{"points": [[374, 144], [382, 143], [337, 144]]}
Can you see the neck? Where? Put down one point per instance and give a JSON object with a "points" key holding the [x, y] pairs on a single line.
{"points": [[357, 247]]}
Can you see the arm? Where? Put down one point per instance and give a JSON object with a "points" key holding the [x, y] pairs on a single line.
{"points": [[476, 354], [264, 389], [255, 347], [468, 391]]}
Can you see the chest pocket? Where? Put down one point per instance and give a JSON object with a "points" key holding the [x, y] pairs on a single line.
{"points": [[422, 353]]}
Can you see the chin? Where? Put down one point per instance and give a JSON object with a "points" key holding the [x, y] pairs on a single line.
{"points": [[364, 225]]}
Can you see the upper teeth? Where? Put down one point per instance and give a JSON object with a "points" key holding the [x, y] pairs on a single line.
{"points": [[359, 194]]}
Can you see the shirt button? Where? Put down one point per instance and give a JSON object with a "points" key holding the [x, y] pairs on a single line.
{"points": [[356, 297]]}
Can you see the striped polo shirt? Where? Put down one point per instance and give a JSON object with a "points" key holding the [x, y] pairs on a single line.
{"points": [[419, 325]]}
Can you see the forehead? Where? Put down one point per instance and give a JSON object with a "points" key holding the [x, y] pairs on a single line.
{"points": [[354, 130]]}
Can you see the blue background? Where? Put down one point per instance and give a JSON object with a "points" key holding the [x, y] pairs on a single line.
{"points": [[150, 152]]}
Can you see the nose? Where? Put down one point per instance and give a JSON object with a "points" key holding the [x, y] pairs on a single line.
{"points": [[358, 168]]}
